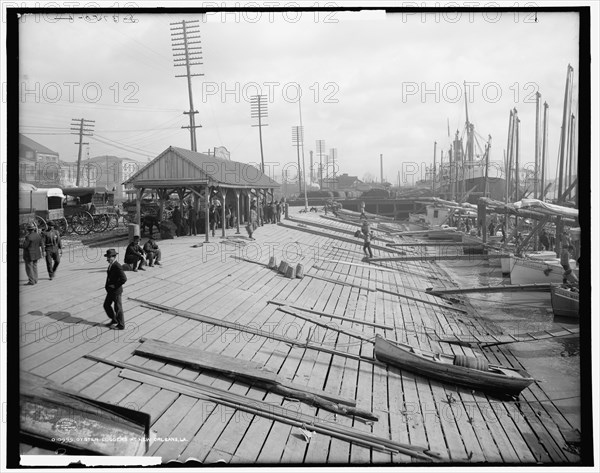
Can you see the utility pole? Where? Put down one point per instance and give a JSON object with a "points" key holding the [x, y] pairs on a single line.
{"points": [[303, 161], [184, 33], [258, 109], [333, 154], [297, 139], [381, 166], [433, 176], [320, 150], [82, 128]]}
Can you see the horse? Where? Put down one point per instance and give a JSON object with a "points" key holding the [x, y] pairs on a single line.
{"points": [[149, 221]]}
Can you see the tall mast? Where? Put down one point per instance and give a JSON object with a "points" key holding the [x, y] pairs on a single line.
{"points": [[543, 157], [536, 150], [563, 132]]}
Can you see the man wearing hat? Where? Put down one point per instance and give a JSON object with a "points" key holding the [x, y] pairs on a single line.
{"points": [[134, 254], [32, 252], [53, 247], [115, 279]]}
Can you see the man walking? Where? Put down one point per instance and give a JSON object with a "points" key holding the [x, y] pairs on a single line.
{"points": [[53, 248], [32, 252], [115, 278]]}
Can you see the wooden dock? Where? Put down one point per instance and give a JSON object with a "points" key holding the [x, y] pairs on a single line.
{"points": [[62, 323]]}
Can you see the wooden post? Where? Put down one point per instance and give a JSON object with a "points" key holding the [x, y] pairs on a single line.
{"points": [[482, 213], [237, 213], [223, 223], [138, 207], [206, 215]]}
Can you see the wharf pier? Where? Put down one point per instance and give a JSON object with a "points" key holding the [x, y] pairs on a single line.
{"points": [[63, 339]]}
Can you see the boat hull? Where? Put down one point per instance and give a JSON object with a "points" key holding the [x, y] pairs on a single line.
{"points": [[565, 303], [505, 381], [54, 417], [527, 271]]}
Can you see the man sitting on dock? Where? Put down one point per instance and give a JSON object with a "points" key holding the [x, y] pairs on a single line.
{"points": [[152, 252], [134, 255]]}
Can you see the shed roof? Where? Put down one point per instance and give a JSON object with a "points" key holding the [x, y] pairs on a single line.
{"points": [[181, 167], [40, 148]]}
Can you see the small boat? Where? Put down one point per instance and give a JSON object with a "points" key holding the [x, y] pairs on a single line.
{"points": [[525, 270], [53, 417], [565, 302], [472, 372]]}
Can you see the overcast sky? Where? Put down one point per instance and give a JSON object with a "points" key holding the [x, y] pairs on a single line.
{"points": [[371, 83]]}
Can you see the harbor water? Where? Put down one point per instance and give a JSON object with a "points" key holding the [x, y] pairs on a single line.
{"points": [[553, 361]]}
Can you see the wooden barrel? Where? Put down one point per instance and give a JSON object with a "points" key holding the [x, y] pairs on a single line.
{"points": [[473, 362], [299, 271], [290, 272], [272, 263]]}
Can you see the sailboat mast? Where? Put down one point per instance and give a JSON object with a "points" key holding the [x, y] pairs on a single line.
{"points": [[543, 157], [537, 150], [563, 133]]}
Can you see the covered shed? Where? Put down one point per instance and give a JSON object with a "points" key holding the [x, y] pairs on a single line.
{"points": [[201, 176]]}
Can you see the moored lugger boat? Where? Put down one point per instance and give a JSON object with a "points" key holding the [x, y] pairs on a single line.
{"points": [[525, 270], [565, 302], [472, 372]]}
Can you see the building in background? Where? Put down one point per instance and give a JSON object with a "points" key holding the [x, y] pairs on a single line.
{"points": [[110, 172], [38, 165]]}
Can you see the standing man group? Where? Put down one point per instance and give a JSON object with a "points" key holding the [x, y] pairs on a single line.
{"points": [[34, 247]]}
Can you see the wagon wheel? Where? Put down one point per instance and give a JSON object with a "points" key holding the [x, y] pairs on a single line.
{"points": [[100, 223], [82, 223], [40, 223], [113, 221], [167, 214], [61, 225]]}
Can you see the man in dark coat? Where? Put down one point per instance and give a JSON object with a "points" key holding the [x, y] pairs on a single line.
{"points": [[177, 220], [115, 278], [134, 254], [53, 248], [152, 252], [32, 252]]}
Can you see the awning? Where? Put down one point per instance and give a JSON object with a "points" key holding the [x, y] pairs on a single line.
{"points": [[51, 192], [80, 191]]}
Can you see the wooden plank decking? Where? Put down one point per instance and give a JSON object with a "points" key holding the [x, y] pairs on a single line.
{"points": [[62, 320]]}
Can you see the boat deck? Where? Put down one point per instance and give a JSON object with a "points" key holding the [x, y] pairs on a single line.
{"points": [[62, 321]]}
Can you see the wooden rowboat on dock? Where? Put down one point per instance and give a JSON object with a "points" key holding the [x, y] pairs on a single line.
{"points": [[565, 303], [472, 372]]}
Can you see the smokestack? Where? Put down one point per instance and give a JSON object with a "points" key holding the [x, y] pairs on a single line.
{"points": [[381, 161], [312, 178]]}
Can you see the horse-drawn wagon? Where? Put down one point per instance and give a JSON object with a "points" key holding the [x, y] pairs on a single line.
{"points": [[40, 206], [90, 209]]}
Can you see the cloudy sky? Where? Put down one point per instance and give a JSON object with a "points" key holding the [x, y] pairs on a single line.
{"points": [[371, 83]]}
